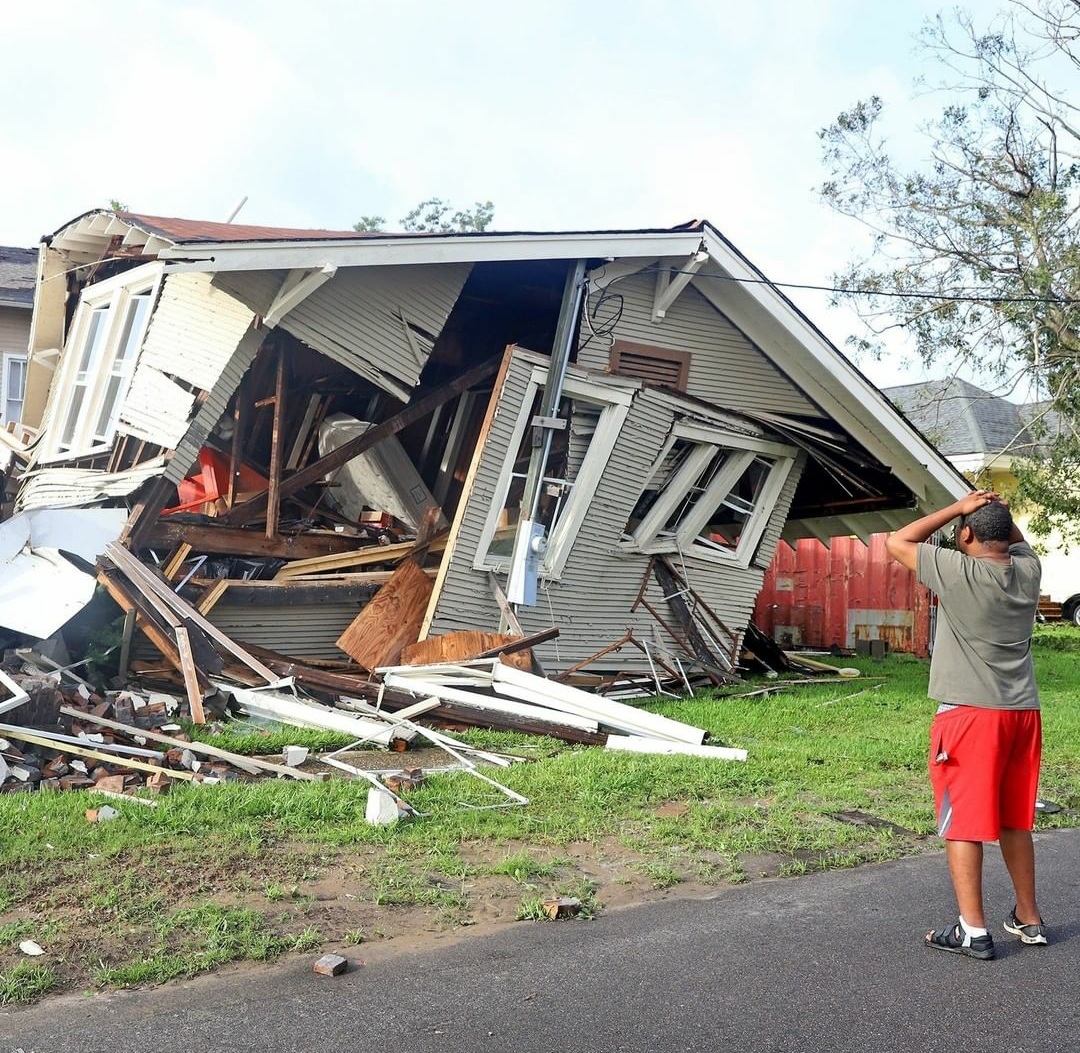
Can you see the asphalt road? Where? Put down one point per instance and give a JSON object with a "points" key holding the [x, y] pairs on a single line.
{"points": [[829, 963]]}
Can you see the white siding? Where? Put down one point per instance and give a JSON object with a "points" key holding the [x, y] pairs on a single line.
{"points": [[726, 369], [193, 335]]}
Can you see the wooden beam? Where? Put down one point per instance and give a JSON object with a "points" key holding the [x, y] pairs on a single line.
{"points": [[277, 438], [210, 598], [252, 765], [236, 541], [357, 558], [191, 677], [113, 759], [373, 436]]}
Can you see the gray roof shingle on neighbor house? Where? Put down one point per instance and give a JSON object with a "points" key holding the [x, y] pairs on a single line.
{"points": [[960, 418], [18, 273]]}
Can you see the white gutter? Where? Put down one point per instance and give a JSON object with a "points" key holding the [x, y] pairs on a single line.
{"points": [[247, 255]]}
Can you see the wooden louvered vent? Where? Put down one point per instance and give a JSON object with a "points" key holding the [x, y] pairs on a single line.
{"points": [[660, 366]]}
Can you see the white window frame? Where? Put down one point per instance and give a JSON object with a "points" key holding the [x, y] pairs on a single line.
{"points": [[8, 358], [114, 296], [615, 406], [651, 537]]}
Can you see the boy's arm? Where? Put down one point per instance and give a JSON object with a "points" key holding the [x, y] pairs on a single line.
{"points": [[903, 544]]}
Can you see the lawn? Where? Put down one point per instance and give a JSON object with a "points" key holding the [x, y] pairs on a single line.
{"points": [[835, 778]]}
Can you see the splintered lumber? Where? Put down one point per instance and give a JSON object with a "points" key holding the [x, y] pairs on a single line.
{"points": [[191, 676], [415, 411], [238, 541], [469, 643], [109, 758], [140, 575], [641, 744], [251, 765], [391, 620], [359, 557]]}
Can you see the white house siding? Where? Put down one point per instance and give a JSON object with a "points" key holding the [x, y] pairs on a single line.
{"points": [[193, 335], [591, 603], [726, 369], [356, 318]]}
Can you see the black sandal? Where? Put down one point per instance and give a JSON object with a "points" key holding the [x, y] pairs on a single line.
{"points": [[955, 940]]}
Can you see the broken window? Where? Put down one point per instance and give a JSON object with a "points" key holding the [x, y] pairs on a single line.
{"points": [[709, 493], [99, 361], [593, 416]]}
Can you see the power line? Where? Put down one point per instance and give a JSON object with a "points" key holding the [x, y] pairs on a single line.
{"points": [[946, 297]]}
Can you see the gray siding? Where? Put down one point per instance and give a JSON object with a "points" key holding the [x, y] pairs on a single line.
{"points": [[14, 329], [356, 318], [726, 369], [302, 630], [591, 603]]}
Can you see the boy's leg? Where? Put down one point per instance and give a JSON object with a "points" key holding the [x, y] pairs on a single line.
{"points": [[1018, 852], [965, 867]]}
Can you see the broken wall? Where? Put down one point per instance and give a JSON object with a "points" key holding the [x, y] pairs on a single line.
{"points": [[591, 603]]}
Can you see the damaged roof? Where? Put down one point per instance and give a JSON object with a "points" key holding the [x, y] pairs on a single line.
{"points": [[18, 274]]}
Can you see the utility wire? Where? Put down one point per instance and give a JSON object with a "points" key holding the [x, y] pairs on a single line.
{"points": [[964, 298]]}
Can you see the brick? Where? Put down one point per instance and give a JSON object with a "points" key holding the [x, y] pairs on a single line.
{"points": [[331, 965]]}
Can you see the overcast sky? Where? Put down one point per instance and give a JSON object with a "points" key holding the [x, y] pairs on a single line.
{"points": [[567, 115]]}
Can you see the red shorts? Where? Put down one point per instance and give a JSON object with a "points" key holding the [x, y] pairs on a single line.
{"points": [[984, 767]]}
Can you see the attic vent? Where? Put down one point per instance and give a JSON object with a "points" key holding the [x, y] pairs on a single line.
{"points": [[655, 365]]}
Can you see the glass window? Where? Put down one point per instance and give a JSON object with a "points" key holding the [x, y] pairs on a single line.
{"points": [[709, 496], [14, 386]]}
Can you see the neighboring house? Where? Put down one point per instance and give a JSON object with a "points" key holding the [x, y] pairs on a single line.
{"points": [[702, 417], [982, 434], [18, 275]]}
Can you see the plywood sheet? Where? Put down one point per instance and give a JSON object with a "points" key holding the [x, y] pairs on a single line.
{"points": [[391, 620], [457, 646]]}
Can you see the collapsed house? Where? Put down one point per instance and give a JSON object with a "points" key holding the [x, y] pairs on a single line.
{"points": [[342, 452]]}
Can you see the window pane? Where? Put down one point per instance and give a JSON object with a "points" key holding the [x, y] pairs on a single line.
{"points": [[16, 379], [109, 410], [694, 493], [95, 337], [12, 410], [67, 433], [728, 520], [569, 448], [134, 320]]}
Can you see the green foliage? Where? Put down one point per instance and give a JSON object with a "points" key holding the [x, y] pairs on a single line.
{"points": [[26, 982], [975, 252], [435, 216]]}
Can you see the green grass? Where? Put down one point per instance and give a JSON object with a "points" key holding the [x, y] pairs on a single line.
{"points": [[203, 878]]}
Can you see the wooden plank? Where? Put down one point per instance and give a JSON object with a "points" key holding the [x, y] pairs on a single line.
{"points": [[154, 633], [461, 645], [273, 497], [504, 605], [391, 620], [357, 558], [252, 765], [135, 570], [23, 735], [210, 598], [236, 541], [173, 564], [191, 676], [373, 436]]}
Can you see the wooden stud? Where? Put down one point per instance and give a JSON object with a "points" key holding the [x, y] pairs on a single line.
{"points": [[191, 681], [273, 498]]}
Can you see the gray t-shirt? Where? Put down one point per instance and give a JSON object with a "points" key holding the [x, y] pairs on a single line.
{"points": [[986, 610]]}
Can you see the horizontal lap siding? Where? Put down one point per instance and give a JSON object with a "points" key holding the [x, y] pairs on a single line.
{"points": [[193, 335], [726, 369], [591, 604], [355, 318]]}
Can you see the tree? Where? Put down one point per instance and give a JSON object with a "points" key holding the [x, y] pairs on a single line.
{"points": [[436, 216], [976, 252]]}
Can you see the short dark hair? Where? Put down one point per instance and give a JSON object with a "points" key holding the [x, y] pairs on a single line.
{"points": [[992, 522]]}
